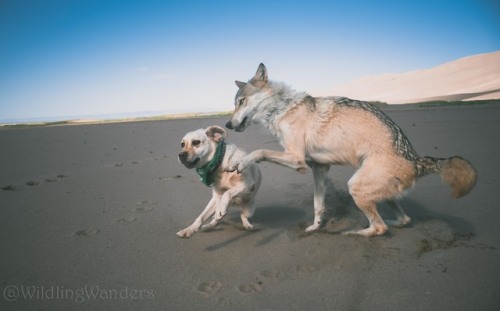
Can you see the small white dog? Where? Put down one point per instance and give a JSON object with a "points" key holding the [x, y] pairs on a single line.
{"points": [[207, 151]]}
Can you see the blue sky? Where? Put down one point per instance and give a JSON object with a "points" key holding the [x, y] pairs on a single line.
{"points": [[91, 57]]}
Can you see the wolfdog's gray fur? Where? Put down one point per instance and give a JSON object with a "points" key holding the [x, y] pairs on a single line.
{"points": [[320, 131]]}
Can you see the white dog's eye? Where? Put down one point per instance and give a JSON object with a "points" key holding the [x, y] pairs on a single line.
{"points": [[183, 145], [242, 101], [196, 142]]}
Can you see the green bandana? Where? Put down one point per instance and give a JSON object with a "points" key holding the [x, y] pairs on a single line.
{"points": [[206, 172]]}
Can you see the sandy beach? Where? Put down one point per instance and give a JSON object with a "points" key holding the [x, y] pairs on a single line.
{"points": [[89, 215]]}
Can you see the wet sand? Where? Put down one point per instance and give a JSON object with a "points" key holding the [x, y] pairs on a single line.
{"points": [[88, 216]]}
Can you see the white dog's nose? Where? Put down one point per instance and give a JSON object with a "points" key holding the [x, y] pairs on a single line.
{"points": [[183, 156]]}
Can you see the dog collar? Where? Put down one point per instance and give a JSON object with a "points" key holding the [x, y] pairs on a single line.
{"points": [[206, 172]]}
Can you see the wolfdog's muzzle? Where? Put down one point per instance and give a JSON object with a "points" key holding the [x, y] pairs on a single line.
{"points": [[240, 128]]}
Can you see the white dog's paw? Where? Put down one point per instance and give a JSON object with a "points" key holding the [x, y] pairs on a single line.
{"points": [[249, 227], [186, 233], [246, 224]]}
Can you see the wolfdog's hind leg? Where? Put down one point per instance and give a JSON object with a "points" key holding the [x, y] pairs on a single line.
{"points": [[401, 218], [362, 189], [377, 225]]}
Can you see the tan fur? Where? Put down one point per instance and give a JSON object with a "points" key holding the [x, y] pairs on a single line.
{"points": [[318, 132], [229, 188], [460, 175]]}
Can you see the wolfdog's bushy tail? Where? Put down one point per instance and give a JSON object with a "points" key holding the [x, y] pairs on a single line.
{"points": [[456, 172]]}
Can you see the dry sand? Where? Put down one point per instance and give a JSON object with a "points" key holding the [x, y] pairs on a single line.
{"points": [[475, 77], [88, 216]]}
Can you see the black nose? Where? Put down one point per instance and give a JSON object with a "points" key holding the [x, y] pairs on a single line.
{"points": [[229, 125], [183, 156]]}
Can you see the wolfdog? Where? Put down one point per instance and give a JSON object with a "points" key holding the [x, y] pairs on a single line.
{"points": [[206, 150], [320, 131]]}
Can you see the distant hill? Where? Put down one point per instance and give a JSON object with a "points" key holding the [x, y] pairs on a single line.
{"points": [[470, 78]]}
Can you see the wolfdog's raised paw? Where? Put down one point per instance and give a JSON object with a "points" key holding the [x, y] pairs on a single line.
{"points": [[238, 166], [232, 167]]}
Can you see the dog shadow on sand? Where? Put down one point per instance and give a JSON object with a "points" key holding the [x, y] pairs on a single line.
{"points": [[430, 230]]}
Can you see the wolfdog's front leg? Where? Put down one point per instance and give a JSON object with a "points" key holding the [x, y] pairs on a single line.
{"points": [[286, 159], [320, 172]]}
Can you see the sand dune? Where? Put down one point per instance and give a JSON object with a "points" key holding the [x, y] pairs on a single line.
{"points": [[470, 78]]}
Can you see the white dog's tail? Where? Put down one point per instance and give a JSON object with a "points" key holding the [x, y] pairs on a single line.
{"points": [[456, 172]]}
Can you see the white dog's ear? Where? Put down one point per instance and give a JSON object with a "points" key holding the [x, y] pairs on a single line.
{"points": [[216, 133], [240, 84], [261, 74]]}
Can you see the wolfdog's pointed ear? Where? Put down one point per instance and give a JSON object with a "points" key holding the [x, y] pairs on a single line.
{"points": [[240, 84], [216, 133], [261, 74]]}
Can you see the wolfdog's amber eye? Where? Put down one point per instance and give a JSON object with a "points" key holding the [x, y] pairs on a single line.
{"points": [[183, 144], [241, 101], [196, 142]]}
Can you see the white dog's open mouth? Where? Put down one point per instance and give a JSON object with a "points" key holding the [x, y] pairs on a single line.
{"points": [[191, 164]]}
